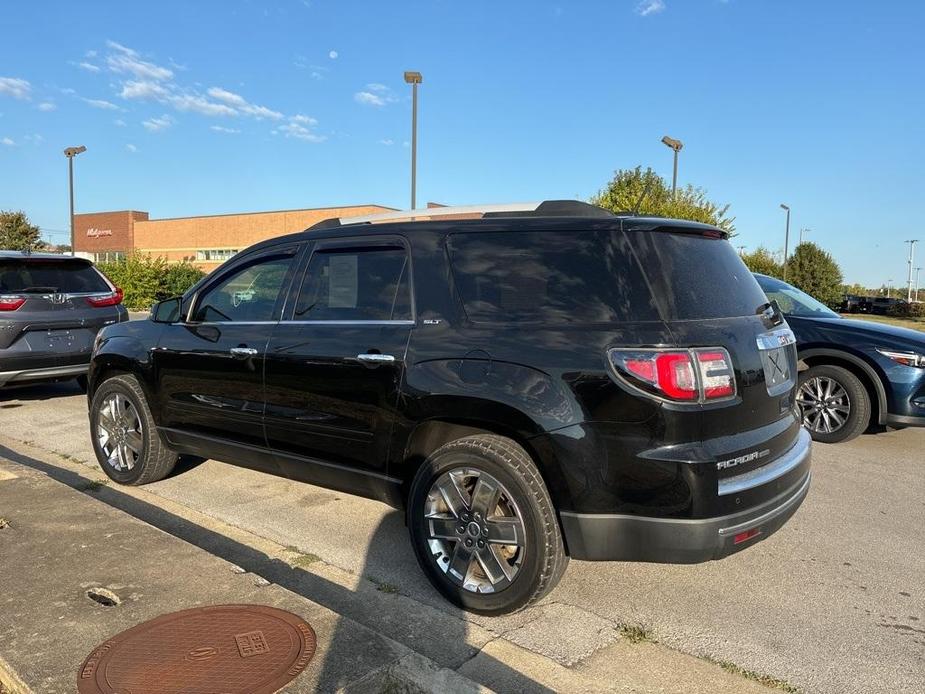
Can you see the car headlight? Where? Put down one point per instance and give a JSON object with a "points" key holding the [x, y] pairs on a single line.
{"points": [[904, 358]]}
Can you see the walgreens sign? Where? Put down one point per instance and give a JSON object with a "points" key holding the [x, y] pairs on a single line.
{"points": [[95, 233]]}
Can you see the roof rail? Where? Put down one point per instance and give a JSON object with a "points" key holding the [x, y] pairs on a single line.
{"points": [[548, 208]]}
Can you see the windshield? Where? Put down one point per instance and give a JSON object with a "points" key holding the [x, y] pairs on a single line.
{"points": [[792, 301]]}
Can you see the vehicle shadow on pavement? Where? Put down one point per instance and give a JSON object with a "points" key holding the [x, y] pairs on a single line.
{"points": [[39, 391], [438, 634]]}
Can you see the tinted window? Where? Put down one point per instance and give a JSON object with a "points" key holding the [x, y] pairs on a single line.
{"points": [[546, 277], [695, 277], [38, 276], [249, 293], [355, 284]]}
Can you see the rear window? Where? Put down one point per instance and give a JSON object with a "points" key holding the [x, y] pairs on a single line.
{"points": [[37, 276], [599, 277]]}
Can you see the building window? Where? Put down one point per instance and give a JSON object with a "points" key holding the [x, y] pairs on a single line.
{"points": [[108, 256], [216, 254]]}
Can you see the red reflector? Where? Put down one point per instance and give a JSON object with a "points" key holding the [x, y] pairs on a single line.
{"points": [[110, 299], [644, 368], [11, 303], [744, 536]]}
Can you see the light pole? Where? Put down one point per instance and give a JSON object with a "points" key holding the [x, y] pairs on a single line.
{"points": [[70, 153], [802, 231], [889, 289], [917, 283], [676, 146], [414, 79], [741, 249], [911, 243], [786, 239]]}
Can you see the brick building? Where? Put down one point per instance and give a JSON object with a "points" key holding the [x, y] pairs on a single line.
{"points": [[204, 241]]}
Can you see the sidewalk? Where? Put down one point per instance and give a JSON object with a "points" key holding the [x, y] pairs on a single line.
{"points": [[68, 533]]}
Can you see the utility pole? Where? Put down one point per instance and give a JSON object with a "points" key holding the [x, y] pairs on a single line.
{"points": [[911, 243], [786, 239], [414, 79], [917, 283], [70, 153], [802, 230]]}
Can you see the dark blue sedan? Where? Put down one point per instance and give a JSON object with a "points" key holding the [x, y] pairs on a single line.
{"points": [[853, 372]]}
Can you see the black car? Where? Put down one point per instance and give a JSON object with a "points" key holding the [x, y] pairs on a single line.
{"points": [[530, 384], [854, 303], [51, 308], [853, 372], [881, 305]]}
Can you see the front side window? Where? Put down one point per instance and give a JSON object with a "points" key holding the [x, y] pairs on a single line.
{"points": [[794, 302], [353, 284], [248, 294]]}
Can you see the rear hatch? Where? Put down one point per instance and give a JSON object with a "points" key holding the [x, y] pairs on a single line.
{"points": [[712, 304], [51, 309]]}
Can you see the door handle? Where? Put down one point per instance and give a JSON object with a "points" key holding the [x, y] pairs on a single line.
{"points": [[243, 352], [376, 358]]}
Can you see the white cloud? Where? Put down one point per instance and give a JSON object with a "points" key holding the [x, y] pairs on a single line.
{"points": [[199, 104], [223, 129], [46, 106], [229, 98], [368, 99], [35, 139], [89, 67], [8, 142], [131, 148], [299, 127], [647, 7], [101, 103], [142, 90], [126, 60], [119, 122], [387, 142], [67, 90], [333, 55], [376, 87], [15, 87], [158, 124]]}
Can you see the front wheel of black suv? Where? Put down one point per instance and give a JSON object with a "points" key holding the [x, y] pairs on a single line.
{"points": [[483, 525], [834, 403], [124, 435]]}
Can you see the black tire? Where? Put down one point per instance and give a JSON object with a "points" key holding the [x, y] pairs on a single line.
{"points": [[818, 411], [154, 459], [538, 562]]}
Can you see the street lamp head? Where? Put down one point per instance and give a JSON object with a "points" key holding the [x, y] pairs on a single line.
{"points": [[71, 152], [413, 77], [784, 207], [676, 145]]}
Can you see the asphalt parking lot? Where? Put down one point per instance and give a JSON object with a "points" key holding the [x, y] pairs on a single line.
{"points": [[834, 602]]}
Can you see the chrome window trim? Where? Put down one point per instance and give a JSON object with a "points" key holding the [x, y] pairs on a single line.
{"points": [[308, 322]]}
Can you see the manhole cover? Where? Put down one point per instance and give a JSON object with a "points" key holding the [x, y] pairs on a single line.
{"points": [[251, 649]]}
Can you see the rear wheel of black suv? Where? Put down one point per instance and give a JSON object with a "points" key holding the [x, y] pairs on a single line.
{"points": [[834, 403], [483, 525], [124, 435]]}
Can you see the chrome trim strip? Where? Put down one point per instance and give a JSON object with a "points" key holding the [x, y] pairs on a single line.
{"points": [[794, 499], [51, 371], [306, 322], [793, 458], [776, 338]]}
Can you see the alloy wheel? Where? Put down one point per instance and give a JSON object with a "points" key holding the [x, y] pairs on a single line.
{"points": [[118, 432], [475, 530], [824, 403]]}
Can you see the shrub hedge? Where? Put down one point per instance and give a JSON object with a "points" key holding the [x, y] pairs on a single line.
{"points": [[145, 279], [907, 310]]}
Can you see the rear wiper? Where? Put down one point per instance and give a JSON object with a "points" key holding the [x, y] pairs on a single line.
{"points": [[771, 311]]}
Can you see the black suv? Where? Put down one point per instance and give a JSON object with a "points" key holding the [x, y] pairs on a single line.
{"points": [[530, 384], [51, 308]]}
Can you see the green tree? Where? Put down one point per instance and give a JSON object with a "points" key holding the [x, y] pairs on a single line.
{"points": [[815, 272], [17, 233], [763, 261], [652, 193], [178, 278]]}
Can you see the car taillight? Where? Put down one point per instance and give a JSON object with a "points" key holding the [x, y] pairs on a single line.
{"points": [[695, 375], [110, 299], [11, 303]]}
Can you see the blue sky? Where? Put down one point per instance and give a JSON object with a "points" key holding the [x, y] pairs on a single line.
{"points": [[211, 107]]}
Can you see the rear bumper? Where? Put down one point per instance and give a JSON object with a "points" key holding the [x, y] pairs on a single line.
{"points": [[45, 374], [616, 537]]}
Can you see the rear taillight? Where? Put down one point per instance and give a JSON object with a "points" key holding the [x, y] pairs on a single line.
{"points": [[11, 303], [695, 375], [110, 299]]}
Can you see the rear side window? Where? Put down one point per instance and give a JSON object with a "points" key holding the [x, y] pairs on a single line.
{"points": [[43, 276], [546, 277], [356, 284], [696, 277]]}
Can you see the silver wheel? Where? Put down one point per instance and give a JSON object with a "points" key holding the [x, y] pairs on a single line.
{"points": [[118, 432], [475, 530], [824, 403]]}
